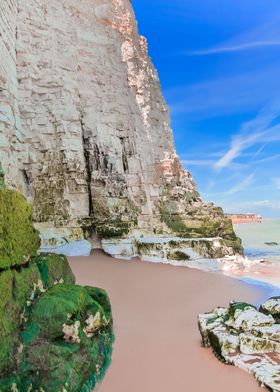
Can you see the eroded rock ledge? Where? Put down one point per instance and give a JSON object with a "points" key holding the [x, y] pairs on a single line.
{"points": [[85, 132], [244, 337]]}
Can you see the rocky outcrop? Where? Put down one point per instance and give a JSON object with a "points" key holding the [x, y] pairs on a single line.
{"points": [[272, 306], [85, 133], [54, 335], [250, 339]]}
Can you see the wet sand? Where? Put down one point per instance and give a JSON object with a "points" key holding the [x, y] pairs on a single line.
{"points": [[267, 272], [155, 308]]}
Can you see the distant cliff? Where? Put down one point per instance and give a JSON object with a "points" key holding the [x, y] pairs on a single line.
{"points": [[85, 134]]}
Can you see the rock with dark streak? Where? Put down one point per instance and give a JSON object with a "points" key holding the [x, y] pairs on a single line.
{"points": [[244, 337]]}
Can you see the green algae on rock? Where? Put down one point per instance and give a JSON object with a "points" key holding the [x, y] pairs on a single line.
{"points": [[54, 336], [242, 336], [179, 256], [54, 269], [69, 335], [18, 238], [32, 332], [117, 229]]}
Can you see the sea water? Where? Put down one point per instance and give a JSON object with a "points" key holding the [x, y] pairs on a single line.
{"points": [[261, 241], [256, 238]]}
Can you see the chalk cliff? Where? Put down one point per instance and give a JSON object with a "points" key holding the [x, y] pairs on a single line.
{"points": [[85, 134]]}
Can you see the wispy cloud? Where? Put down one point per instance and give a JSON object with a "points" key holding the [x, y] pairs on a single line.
{"points": [[232, 94], [242, 185], [276, 182], [260, 36], [259, 130], [258, 152], [239, 91], [253, 206], [269, 158], [234, 48]]}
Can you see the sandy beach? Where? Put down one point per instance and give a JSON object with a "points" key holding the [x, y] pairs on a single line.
{"points": [[155, 308], [267, 272]]}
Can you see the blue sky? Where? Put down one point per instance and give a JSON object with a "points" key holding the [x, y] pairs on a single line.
{"points": [[219, 65]]}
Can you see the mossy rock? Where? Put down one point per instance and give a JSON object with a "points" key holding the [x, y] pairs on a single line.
{"points": [[236, 245], [101, 297], [47, 360], [147, 247], [172, 220], [271, 307], [113, 230], [2, 179], [238, 306], [52, 362], [174, 244], [216, 346], [54, 269], [15, 289], [18, 238], [213, 227], [179, 256], [52, 310], [194, 225], [8, 338]]}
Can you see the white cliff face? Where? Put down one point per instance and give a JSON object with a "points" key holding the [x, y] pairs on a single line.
{"points": [[88, 138], [11, 133]]}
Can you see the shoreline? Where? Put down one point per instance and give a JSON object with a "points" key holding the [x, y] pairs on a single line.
{"points": [[264, 271], [268, 288], [155, 309]]}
